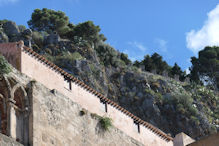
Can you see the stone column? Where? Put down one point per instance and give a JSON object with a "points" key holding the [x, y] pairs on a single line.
{"points": [[11, 128]]}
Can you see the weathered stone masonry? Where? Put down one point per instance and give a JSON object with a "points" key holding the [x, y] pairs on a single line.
{"points": [[14, 106], [37, 67]]}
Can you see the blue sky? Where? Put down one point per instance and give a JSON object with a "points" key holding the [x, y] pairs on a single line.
{"points": [[176, 29]]}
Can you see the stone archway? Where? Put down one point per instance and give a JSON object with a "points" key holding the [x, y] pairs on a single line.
{"points": [[14, 106], [3, 115], [5, 89], [19, 114]]}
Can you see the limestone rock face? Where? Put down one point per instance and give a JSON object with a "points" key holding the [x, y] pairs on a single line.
{"points": [[52, 39], [27, 32]]}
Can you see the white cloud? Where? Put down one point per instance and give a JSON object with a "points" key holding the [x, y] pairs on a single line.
{"points": [[2, 2], [208, 35], [162, 44], [187, 71], [138, 45], [132, 54]]}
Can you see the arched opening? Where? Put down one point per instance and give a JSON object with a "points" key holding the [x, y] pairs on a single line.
{"points": [[5, 89], [19, 118], [3, 115]]}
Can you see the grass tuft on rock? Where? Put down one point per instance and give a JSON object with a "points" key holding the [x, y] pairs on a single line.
{"points": [[106, 123]]}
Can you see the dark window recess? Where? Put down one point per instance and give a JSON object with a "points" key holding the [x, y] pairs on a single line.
{"points": [[105, 107], [69, 84], [69, 81], [105, 104], [138, 126]]}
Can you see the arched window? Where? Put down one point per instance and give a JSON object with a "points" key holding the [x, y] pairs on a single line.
{"points": [[19, 119], [3, 115]]}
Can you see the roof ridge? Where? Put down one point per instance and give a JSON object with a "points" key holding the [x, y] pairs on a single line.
{"points": [[99, 95]]}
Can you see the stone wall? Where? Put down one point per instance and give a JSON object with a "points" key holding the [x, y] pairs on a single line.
{"points": [[7, 141], [57, 121], [12, 53]]}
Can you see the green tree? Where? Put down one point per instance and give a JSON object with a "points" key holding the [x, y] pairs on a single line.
{"points": [[48, 20], [148, 63], [176, 70], [124, 57], [88, 31], [206, 66], [155, 62], [108, 55], [137, 63], [194, 70], [159, 63]]}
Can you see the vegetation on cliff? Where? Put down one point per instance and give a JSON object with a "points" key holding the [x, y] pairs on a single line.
{"points": [[151, 89], [5, 67]]}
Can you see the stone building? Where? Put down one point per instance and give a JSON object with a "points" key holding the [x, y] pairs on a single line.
{"points": [[40, 104]]}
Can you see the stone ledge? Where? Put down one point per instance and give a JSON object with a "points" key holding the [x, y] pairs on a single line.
{"points": [[7, 141]]}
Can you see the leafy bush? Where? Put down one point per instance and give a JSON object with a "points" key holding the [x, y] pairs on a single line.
{"points": [[195, 119], [68, 57], [180, 108], [149, 91], [183, 104], [105, 123], [3, 36], [37, 38], [95, 71], [124, 57], [108, 55], [5, 67], [77, 56], [159, 97]]}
